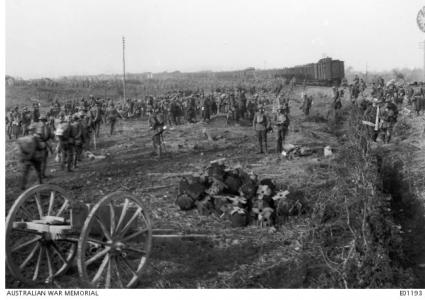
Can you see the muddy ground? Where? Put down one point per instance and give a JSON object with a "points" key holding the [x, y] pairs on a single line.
{"points": [[236, 258]]}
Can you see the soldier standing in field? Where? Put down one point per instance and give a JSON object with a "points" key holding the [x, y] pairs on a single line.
{"points": [[112, 115], [260, 124], [306, 106], [35, 112], [281, 121], [156, 124], [25, 120], [77, 138], [65, 143], [96, 116]]}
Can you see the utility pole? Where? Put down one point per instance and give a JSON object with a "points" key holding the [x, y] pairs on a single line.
{"points": [[422, 47], [123, 64], [420, 19], [366, 74]]}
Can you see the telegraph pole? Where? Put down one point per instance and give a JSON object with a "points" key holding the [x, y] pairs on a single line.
{"points": [[366, 74], [123, 64], [420, 19], [422, 47]]}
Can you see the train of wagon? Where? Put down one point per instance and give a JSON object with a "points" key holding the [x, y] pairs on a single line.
{"points": [[326, 71]]}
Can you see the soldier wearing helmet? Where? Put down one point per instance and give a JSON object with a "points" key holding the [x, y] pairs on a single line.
{"points": [[43, 134]]}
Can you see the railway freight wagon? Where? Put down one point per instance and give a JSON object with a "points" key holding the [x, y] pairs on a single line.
{"points": [[325, 72]]}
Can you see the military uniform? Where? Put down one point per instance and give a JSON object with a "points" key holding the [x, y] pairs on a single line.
{"points": [[260, 124], [282, 125], [66, 144], [96, 116], [112, 115], [156, 124], [42, 134], [77, 140], [30, 156], [306, 106], [388, 119]]}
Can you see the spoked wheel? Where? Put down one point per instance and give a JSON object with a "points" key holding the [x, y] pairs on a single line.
{"points": [[115, 242], [32, 255]]}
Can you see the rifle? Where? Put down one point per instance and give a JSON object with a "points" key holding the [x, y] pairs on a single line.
{"points": [[376, 124]]}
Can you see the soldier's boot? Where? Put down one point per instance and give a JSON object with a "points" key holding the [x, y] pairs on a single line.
{"points": [[25, 176], [44, 166], [38, 168]]}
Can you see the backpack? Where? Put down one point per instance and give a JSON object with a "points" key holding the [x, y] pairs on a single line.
{"points": [[27, 146], [261, 119]]}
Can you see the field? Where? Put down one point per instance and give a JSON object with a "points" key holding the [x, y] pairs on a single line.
{"points": [[347, 238]]}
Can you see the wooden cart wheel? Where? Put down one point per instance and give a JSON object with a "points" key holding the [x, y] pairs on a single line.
{"points": [[33, 257], [115, 242]]}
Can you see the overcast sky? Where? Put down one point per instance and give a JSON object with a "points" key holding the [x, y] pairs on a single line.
{"points": [[80, 37]]}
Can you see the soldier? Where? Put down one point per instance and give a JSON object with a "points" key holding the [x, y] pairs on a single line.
{"points": [[337, 100], [242, 105], [206, 109], [51, 118], [174, 112], [191, 110], [306, 106], [66, 144], [96, 118], [43, 134], [9, 124], [35, 112], [86, 125], [282, 124], [388, 119], [112, 115], [251, 108], [156, 124], [260, 124], [77, 139], [26, 120], [30, 156]]}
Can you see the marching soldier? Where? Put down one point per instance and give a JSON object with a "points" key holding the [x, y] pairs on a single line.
{"points": [[43, 134], [388, 119]]}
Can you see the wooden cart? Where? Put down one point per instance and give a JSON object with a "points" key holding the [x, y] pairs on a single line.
{"points": [[46, 229]]}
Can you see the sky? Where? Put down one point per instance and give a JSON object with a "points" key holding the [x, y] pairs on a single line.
{"points": [[52, 38]]}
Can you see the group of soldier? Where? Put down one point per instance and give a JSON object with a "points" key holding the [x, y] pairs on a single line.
{"points": [[70, 126], [75, 124]]}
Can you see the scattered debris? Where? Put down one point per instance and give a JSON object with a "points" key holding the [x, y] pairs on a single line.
{"points": [[90, 155], [290, 151], [235, 195], [327, 151]]}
